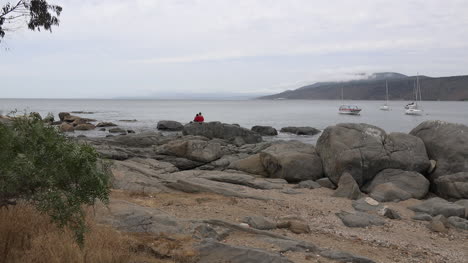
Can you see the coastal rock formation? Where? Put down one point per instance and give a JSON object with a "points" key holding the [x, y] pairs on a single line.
{"points": [[397, 185], [196, 150], [252, 164], [265, 130], [406, 152], [106, 124], [300, 130], [85, 127], [222, 131], [452, 185], [62, 115], [293, 161], [65, 127], [363, 150], [167, 125], [117, 130], [447, 143]]}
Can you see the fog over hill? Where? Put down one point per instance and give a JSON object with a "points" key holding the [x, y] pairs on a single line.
{"points": [[373, 88]]}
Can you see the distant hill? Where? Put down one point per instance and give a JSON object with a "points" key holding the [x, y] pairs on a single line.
{"points": [[373, 88]]}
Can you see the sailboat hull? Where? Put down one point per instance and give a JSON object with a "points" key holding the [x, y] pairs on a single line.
{"points": [[416, 112], [384, 108]]}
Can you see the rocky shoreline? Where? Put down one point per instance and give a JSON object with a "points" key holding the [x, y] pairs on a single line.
{"points": [[230, 166], [359, 195]]}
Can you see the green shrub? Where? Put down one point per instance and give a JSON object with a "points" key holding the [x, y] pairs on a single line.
{"points": [[40, 165]]}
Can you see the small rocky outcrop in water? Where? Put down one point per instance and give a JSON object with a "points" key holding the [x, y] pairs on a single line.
{"points": [[222, 131], [447, 143], [106, 124], [363, 150], [265, 130], [65, 127], [85, 127], [300, 130], [169, 126]]}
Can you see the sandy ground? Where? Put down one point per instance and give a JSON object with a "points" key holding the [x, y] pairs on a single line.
{"points": [[403, 240]]}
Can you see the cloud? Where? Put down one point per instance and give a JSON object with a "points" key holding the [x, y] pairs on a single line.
{"points": [[120, 46]]}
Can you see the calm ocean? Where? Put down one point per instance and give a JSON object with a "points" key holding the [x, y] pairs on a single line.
{"points": [[247, 113]]}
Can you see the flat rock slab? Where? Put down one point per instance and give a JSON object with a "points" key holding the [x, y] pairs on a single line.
{"points": [[242, 179], [359, 219], [201, 185], [130, 217], [141, 175], [210, 252], [259, 222], [438, 206], [308, 184], [345, 257], [422, 217]]}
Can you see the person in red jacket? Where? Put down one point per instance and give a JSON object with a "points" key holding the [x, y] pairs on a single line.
{"points": [[199, 118]]}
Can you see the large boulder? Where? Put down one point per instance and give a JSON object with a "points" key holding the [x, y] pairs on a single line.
{"points": [[222, 131], [363, 150], [394, 184], [196, 150], [452, 185], [407, 152], [293, 161], [166, 125], [265, 130], [300, 130], [251, 164], [447, 143]]}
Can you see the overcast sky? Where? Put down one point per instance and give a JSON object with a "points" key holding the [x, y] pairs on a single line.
{"points": [[115, 48]]}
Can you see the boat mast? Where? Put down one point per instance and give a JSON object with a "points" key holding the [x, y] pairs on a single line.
{"points": [[386, 92], [417, 88]]}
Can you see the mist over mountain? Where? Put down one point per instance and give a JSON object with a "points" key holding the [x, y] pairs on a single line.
{"points": [[400, 87]]}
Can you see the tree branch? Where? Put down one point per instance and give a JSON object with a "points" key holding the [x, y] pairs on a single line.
{"points": [[12, 9]]}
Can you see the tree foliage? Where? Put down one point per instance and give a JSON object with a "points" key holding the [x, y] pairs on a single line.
{"points": [[57, 175], [36, 14]]}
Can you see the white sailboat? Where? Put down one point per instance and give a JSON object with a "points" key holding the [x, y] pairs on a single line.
{"points": [[385, 107], [415, 108], [348, 109]]}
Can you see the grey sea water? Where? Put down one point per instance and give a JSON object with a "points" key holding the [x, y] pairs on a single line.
{"points": [[247, 113]]}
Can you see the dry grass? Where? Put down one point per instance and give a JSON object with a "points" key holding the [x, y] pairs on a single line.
{"points": [[28, 236]]}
